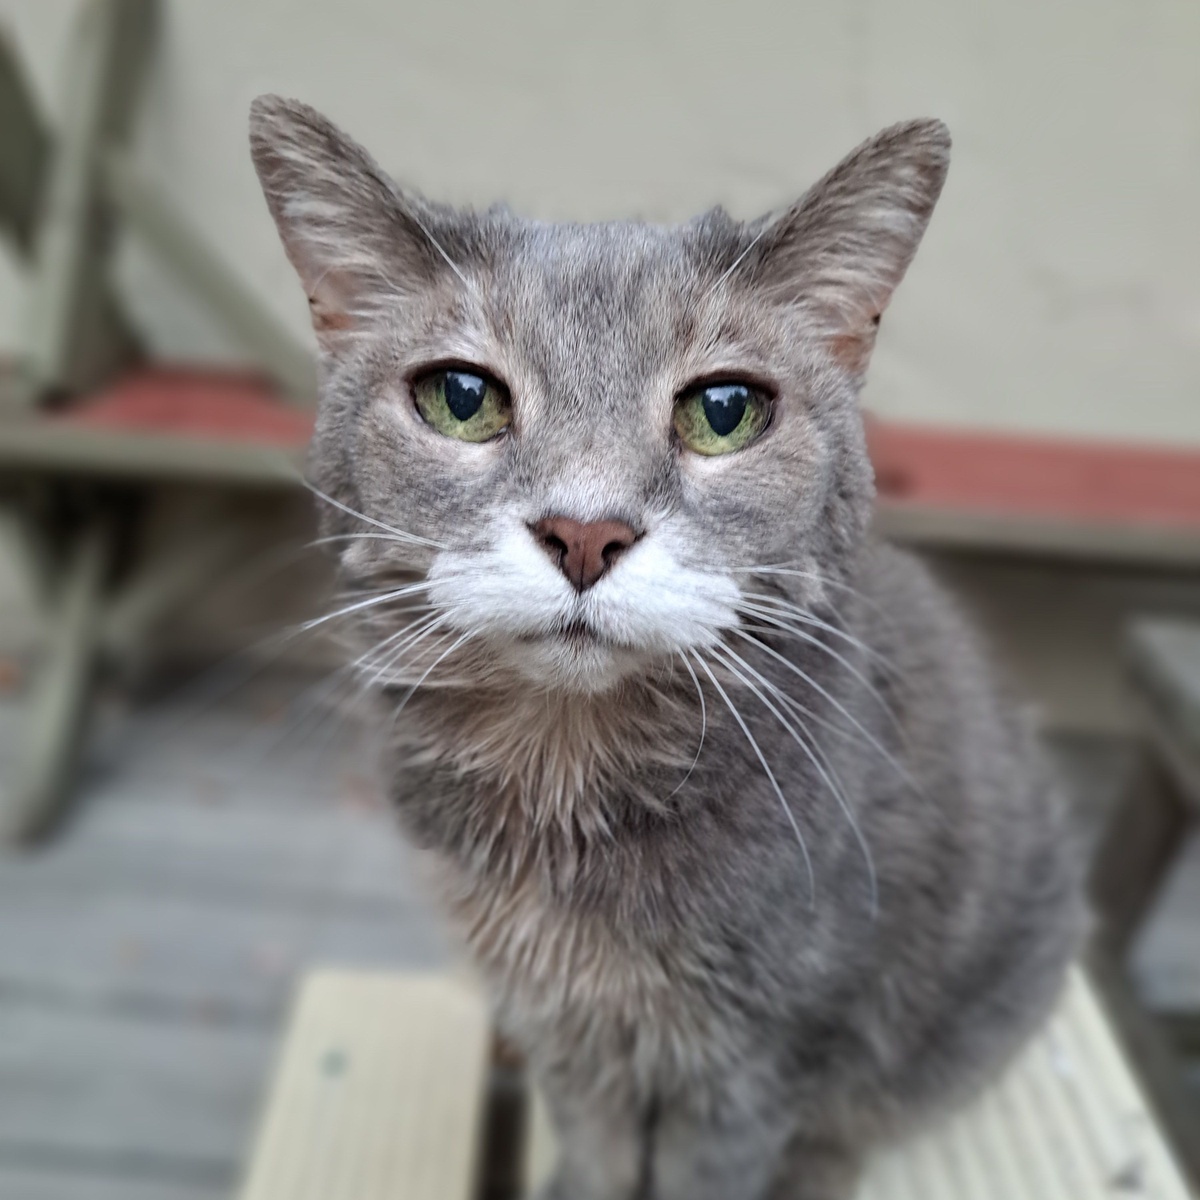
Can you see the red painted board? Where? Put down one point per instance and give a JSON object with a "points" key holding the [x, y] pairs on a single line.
{"points": [[219, 405], [1050, 478]]}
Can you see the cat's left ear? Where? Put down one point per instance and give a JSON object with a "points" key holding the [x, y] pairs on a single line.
{"points": [[840, 251], [357, 240]]}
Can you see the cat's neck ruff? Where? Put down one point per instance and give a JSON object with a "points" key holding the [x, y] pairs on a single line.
{"points": [[554, 755]]}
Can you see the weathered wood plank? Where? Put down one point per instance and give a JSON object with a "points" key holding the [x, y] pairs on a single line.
{"points": [[62, 1183], [1166, 958], [379, 1093], [71, 339], [59, 708], [1038, 536], [34, 444], [206, 867], [159, 1094], [24, 150], [227, 807], [287, 751], [1164, 657], [318, 861], [134, 951], [1066, 1120]]}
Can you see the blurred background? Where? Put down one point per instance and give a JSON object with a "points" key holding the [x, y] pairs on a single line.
{"points": [[191, 820]]}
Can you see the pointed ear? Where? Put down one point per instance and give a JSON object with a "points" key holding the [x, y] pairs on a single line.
{"points": [[840, 251], [355, 238]]}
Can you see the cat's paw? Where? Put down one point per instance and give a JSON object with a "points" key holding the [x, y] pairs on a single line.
{"points": [[819, 1174], [563, 1186], [559, 1188]]}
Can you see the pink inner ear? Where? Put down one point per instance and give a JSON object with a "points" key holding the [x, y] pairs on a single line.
{"points": [[326, 319], [853, 350], [328, 301]]}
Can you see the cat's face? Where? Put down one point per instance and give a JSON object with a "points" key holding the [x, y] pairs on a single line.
{"points": [[586, 442]]}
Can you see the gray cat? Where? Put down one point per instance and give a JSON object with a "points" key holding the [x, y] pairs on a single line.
{"points": [[756, 862]]}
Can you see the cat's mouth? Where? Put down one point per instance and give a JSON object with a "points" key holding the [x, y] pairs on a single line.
{"points": [[574, 654], [576, 632]]}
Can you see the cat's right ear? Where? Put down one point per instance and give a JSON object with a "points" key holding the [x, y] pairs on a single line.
{"points": [[356, 240], [839, 252]]}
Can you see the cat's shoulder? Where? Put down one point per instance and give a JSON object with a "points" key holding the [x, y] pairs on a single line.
{"points": [[887, 572], [905, 609]]}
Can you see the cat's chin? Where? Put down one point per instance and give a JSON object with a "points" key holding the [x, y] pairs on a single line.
{"points": [[574, 659]]}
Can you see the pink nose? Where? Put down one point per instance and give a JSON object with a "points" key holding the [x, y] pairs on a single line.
{"points": [[583, 550]]}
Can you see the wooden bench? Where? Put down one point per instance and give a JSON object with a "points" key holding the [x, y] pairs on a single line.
{"points": [[381, 1093]]}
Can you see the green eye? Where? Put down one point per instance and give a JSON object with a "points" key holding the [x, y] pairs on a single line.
{"points": [[718, 418], [463, 405]]}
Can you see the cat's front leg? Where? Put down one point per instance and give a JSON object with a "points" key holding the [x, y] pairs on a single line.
{"points": [[815, 1169], [719, 1150], [746, 1151], [601, 1145]]}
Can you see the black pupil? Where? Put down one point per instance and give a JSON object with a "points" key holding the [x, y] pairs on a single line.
{"points": [[464, 394], [725, 406]]}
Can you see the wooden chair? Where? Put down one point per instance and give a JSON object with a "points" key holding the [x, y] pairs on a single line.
{"points": [[385, 1088], [89, 434]]}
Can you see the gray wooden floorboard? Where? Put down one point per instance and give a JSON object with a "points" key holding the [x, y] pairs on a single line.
{"points": [[238, 957], [303, 856], [126, 1088], [1167, 957], [148, 953], [61, 1184]]}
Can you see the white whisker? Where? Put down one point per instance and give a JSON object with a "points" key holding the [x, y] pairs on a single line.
{"points": [[703, 721], [785, 569], [773, 618], [380, 664], [737, 716], [413, 690], [737, 262], [370, 602], [806, 618], [413, 538], [441, 250], [808, 679], [810, 752], [329, 539]]}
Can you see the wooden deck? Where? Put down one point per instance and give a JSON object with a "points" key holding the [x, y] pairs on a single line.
{"points": [[147, 955]]}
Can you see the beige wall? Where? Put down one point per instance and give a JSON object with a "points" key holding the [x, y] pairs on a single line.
{"points": [[1059, 287]]}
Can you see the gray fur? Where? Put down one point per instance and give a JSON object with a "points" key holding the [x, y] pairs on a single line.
{"points": [[726, 988]]}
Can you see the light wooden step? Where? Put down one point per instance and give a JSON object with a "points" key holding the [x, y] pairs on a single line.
{"points": [[1066, 1122], [402, 1120], [379, 1092]]}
